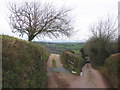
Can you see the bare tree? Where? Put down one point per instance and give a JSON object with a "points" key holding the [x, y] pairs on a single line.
{"points": [[36, 19], [104, 29], [102, 42]]}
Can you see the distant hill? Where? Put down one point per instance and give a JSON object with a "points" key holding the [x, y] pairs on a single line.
{"points": [[60, 41], [59, 47]]}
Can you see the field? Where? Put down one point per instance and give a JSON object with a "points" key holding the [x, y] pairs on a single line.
{"points": [[59, 47]]}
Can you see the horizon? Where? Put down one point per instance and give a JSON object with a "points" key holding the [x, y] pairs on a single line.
{"points": [[61, 41]]}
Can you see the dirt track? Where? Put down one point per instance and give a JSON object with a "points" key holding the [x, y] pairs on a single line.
{"points": [[91, 78]]}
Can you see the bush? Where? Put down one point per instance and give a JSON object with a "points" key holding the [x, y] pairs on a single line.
{"points": [[23, 64], [111, 67], [67, 56], [98, 49], [53, 63]]}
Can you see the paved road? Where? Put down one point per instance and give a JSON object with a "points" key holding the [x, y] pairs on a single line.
{"points": [[91, 78]]}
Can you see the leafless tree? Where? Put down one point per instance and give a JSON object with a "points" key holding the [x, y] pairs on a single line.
{"points": [[104, 29], [102, 42], [36, 19]]}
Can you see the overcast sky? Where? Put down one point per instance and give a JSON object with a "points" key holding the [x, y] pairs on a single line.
{"points": [[84, 13]]}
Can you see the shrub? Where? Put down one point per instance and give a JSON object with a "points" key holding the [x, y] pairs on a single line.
{"points": [[53, 63], [77, 61], [23, 64], [111, 67], [98, 49]]}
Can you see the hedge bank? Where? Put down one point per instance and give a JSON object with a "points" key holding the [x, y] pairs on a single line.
{"points": [[77, 61], [23, 64]]}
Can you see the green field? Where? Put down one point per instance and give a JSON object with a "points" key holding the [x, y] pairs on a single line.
{"points": [[59, 47]]}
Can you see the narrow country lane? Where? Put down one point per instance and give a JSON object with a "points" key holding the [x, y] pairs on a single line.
{"points": [[61, 78]]}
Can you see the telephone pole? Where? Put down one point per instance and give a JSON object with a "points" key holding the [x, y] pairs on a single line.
{"points": [[118, 26], [119, 18]]}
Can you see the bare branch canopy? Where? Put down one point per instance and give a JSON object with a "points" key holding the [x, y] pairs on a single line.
{"points": [[104, 29], [37, 19]]}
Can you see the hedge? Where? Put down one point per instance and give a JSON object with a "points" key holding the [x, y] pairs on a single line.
{"points": [[23, 64], [67, 56], [111, 69]]}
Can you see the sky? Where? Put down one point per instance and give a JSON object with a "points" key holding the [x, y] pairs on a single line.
{"points": [[84, 14]]}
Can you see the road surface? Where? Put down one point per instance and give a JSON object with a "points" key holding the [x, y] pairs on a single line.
{"points": [[57, 79]]}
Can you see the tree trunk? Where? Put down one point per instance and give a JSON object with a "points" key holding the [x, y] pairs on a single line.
{"points": [[30, 38]]}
